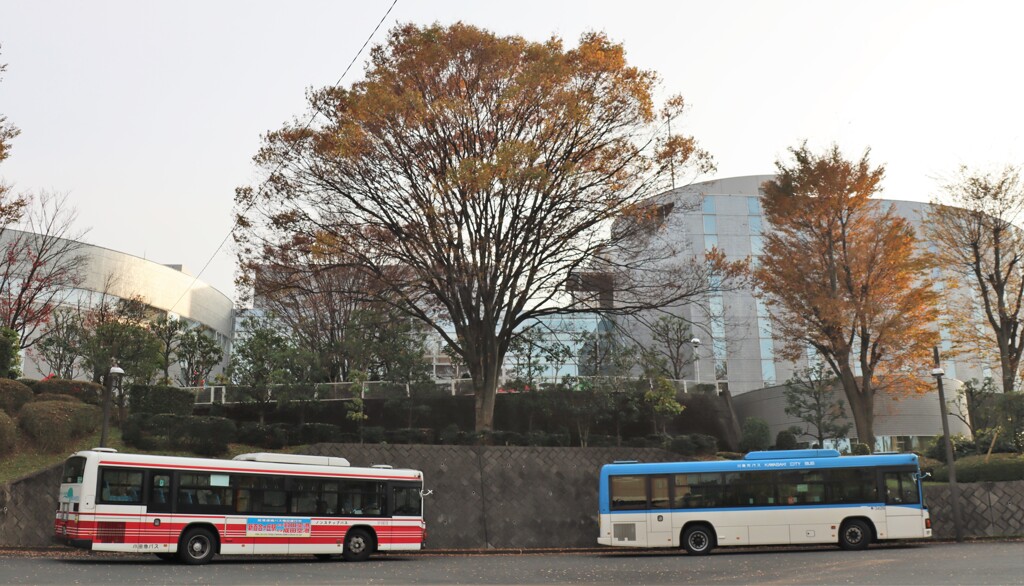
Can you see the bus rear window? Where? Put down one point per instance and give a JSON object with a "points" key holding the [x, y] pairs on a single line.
{"points": [[74, 469], [629, 493]]}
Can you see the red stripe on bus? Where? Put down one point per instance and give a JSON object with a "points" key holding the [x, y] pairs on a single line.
{"points": [[253, 470]]}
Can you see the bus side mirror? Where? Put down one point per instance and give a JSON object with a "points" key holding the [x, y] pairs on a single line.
{"points": [[923, 475], [424, 493]]}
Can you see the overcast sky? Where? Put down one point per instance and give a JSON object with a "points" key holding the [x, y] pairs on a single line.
{"points": [[148, 112]]}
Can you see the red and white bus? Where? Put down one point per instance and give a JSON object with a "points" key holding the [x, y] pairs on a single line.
{"points": [[194, 508]]}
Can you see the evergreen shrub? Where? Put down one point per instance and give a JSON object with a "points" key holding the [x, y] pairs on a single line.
{"points": [[53, 425], [785, 440], [88, 392], [8, 434], [13, 395], [755, 436]]}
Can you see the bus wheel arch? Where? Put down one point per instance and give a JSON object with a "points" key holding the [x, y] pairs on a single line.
{"points": [[360, 542], [856, 533], [198, 543], [698, 538]]}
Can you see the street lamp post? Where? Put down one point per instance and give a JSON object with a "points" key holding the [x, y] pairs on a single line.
{"points": [[954, 488], [695, 342], [109, 382]]}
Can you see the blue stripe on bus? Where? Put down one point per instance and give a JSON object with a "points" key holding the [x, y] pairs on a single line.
{"points": [[758, 465], [760, 508]]}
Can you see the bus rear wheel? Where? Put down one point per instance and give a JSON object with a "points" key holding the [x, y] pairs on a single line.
{"points": [[358, 545], [698, 540], [197, 546], [854, 534]]}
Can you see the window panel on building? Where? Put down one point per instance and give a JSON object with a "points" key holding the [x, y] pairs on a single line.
{"points": [[710, 241], [710, 225], [708, 204], [754, 206]]}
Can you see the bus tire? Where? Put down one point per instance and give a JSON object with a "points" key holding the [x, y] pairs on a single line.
{"points": [[197, 546], [698, 539], [358, 545], [854, 534]]}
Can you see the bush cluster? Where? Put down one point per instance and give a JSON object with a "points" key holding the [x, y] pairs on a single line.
{"points": [[206, 436], [13, 395], [53, 425], [8, 434], [87, 392], [964, 446], [694, 444], [160, 399]]}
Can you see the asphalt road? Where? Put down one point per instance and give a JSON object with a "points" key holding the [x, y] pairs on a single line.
{"points": [[926, 564]]}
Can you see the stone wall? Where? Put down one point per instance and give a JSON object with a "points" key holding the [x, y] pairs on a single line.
{"points": [[513, 497]]}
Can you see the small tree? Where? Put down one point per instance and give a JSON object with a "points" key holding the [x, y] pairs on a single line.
{"points": [[670, 349], [61, 347], [355, 408], [810, 397], [10, 361], [197, 353], [661, 399], [756, 435], [260, 360], [168, 332]]}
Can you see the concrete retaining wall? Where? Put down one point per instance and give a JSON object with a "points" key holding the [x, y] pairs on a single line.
{"points": [[512, 497]]}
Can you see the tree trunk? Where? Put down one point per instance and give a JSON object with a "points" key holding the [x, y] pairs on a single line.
{"points": [[485, 389], [862, 405]]}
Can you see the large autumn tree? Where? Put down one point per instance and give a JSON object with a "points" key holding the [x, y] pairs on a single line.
{"points": [[841, 273], [474, 179], [972, 225]]}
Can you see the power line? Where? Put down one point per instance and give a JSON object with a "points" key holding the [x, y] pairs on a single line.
{"points": [[305, 126]]}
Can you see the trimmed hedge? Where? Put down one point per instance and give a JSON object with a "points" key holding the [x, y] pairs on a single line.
{"points": [[8, 433], [56, 397], [976, 470], [160, 399], [53, 425], [88, 392], [28, 382], [208, 436], [13, 395], [152, 432]]}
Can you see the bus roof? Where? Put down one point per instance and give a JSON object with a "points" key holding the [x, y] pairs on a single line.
{"points": [[779, 460], [247, 465]]}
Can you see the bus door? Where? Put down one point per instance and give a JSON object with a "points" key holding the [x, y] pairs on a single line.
{"points": [[659, 516], [406, 512], [120, 509], [157, 528], [903, 515]]}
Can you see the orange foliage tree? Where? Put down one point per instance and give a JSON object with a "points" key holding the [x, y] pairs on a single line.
{"points": [[474, 179], [842, 275]]}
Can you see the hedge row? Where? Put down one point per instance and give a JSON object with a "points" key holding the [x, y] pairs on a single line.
{"points": [[54, 425], [976, 470], [13, 395], [206, 436], [160, 399]]}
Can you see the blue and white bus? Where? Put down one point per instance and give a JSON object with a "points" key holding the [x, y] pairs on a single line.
{"points": [[778, 497]]}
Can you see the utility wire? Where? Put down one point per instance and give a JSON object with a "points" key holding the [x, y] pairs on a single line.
{"points": [[305, 126]]}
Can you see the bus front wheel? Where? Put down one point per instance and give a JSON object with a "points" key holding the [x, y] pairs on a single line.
{"points": [[698, 540], [854, 534], [358, 545], [197, 546]]}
